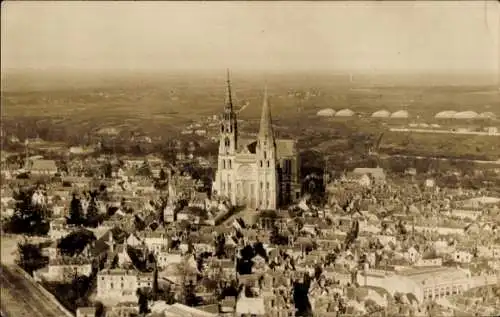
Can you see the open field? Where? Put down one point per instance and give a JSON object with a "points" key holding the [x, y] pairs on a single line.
{"points": [[161, 104]]}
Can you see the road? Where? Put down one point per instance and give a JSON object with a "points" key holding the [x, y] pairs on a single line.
{"points": [[21, 297]]}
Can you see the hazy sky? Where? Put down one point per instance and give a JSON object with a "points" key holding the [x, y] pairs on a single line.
{"points": [[382, 37]]}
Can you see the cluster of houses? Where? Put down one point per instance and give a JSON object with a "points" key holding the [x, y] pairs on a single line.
{"points": [[412, 245]]}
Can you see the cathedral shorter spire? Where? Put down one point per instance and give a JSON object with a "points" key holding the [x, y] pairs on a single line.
{"points": [[266, 128], [228, 101]]}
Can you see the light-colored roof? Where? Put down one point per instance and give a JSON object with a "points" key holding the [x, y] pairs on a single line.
{"points": [[465, 115], [247, 305], [178, 309], [285, 148], [375, 172], [86, 310], [327, 112], [448, 114], [487, 115], [344, 113], [44, 165], [441, 273], [381, 114], [400, 114]]}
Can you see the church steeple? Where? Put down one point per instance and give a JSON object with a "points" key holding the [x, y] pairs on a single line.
{"points": [[229, 100], [229, 129], [266, 128]]}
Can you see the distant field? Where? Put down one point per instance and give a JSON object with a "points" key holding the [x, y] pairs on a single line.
{"points": [[158, 104]]}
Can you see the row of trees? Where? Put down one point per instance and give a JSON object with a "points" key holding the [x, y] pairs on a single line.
{"points": [[28, 218]]}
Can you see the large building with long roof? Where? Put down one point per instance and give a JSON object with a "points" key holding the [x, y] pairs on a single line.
{"points": [[260, 173]]}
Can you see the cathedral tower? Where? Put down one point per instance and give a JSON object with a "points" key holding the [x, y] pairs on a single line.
{"points": [[266, 160], [227, 145]]}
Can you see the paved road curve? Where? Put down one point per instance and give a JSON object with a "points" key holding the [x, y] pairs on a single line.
{"points": [[20, 297]]}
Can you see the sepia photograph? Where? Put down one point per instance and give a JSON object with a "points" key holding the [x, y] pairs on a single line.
{"points": [[250, 159]]}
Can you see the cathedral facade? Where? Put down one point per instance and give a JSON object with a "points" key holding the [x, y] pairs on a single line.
{"points": [[261, 173]]}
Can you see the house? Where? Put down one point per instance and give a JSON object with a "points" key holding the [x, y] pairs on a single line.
{"points": [[377, 174], [58, 229], [120, 285], [412, 255], [250, 306], [86, 312], [67, 268], [165, 258], [155, 241], [43, 167], [429, 262], [462, 256]]}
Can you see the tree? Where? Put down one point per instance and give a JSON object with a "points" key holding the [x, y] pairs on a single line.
{"points": [[139, 224], [30, 257], [144, 170], [108, 170], [28, 218], [92, 212], [155, 281], [163, 175], [143, 302], [189, 295], [220, 246], [75, 242], [75, 211]]}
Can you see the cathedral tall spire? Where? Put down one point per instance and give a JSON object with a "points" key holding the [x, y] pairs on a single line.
{"points": [[266, 128], [228, 105]]}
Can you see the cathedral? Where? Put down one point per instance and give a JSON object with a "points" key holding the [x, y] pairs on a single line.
{"points": [[261, 173]]}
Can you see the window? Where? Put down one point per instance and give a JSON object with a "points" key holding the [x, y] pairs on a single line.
{"points": [[229, 186], [260, 163], [265, 155], [222, 128], [261, 185], [122, 286], [223, 185], [102, 278], [227, 142], [267, 163], [267, 185], [111, 285], [229, 163], [223, 164]]}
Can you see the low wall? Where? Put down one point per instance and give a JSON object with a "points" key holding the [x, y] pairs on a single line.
{"points": [[45, 292]]}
